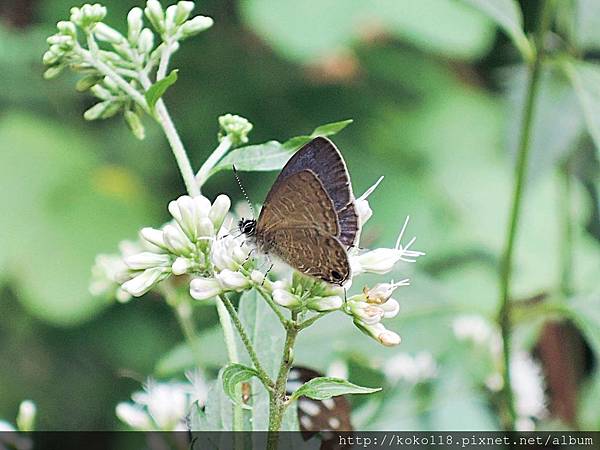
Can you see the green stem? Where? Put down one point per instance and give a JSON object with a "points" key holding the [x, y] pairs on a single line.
{"points": [[264, 294], [504, 319], [262, 374], [566, 243], [230, 344], [212, 160], [277, 397]]}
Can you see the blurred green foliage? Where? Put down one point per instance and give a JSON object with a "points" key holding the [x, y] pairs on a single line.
{"points": [[435, 93]]}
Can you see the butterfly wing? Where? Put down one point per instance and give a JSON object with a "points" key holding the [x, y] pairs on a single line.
{"points": [[297, 201], [311, 251], [323, 158]]}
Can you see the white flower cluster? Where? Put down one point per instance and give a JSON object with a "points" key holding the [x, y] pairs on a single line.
{"points": [[526, 375], [196, 243], [112, 75], [163, 406]]}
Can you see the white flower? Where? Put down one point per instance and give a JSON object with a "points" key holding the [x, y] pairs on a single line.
{"points": [[195, 26], [162, 406], [181, 265], [142, 283], [528, 386], [135, 24], [26, 415], [390, 308], [147, 260], [229, 252], [379, 332], [361, 204], [204, 288], [135, 416], [382, 260], [381, 292], [330, 303], [285, 298], [413, 369], [230, 280], [219, 210]]}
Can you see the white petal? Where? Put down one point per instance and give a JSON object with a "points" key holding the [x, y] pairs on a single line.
{"points": [[134, 416], [147, 260], [204, 288], [143, 282], [219, 210], [232, 280]]}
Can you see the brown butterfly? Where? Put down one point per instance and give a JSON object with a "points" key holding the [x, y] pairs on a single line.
{"points": [[308, 218]]}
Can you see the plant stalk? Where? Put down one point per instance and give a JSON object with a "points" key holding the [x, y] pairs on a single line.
{"points": [[277, 397], [262, 374], [566, 243], [212, 160], [508, 415]]}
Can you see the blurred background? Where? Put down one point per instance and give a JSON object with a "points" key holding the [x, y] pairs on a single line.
{"points": [[435, 91]]}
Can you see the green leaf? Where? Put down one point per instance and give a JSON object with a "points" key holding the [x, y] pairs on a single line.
{"points": [[233, 375], [158, 89], [507, 14], [585, 78], [322, 388], [296, 142], [329, 129], [271, 155]]}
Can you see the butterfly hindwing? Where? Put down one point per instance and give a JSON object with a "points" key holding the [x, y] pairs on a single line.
{"points": [[310, 251]]}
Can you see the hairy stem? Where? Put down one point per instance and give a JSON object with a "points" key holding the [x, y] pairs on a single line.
{"points": [[262, 374], [264, 294], [508, 416], [278, 398], [165, 57]]}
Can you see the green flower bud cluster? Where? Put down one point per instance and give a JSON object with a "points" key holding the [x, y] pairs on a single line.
{"points": [[117, 67], [234, 127]]}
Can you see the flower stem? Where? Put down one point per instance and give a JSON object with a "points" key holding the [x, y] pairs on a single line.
{"points": [[187, 173], [277, 397], [228, 334], [264, 294], [262, 374], [566, 243], [508, 416], [212, 160]]}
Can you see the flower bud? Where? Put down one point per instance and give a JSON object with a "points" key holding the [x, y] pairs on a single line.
{"points": [[195, 26], [286, 298], [134, 416], [181, 265], [60, 40], [204, 288], [51, 58], [146, 41], [183, 11], [183, 211], [390, 308], [53, 72], [176, 241], [67, 28], [155, 15], [147, 260], [135, 23], [88, 15], [389, 338], [134, 122], [154, 237], [108, 34], [206, 228], [122, 296], [363, 210], [380, 261], [235, 127], [322, 304], [170, 19], [143, 282], [366, 313], [87, 82], [101, 92], [260, 278], [26, 416], [97, 111], [219, 210], [232, 280], [381, 292]]}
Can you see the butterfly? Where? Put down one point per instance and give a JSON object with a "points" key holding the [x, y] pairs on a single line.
{"points": [[309, 219]]}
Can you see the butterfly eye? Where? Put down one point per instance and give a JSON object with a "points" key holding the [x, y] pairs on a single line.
{"points": [[335, 275]]}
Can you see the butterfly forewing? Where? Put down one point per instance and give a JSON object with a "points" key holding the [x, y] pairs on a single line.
{"points": [[311, 251], [323, 158], [299, 200]]}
